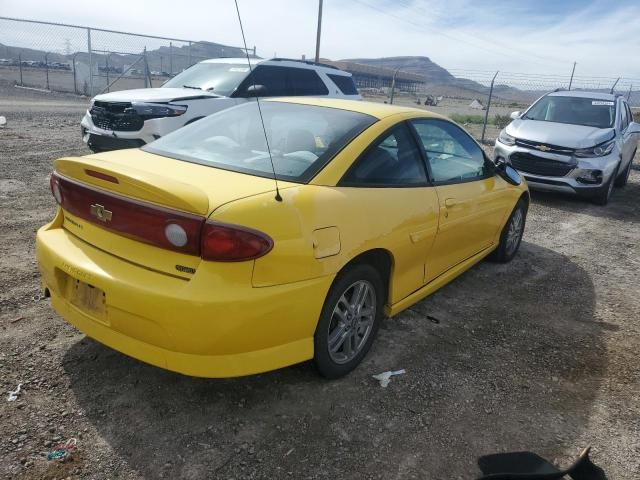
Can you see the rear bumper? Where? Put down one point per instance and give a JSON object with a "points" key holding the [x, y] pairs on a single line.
{"points": [[207, 326]]}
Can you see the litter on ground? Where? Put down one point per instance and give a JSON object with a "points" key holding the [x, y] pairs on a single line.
{"points": [[385, 377], [13, 395], [62, 450]]}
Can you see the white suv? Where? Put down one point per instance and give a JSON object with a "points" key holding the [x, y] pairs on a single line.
{"points": [[132, 118]]}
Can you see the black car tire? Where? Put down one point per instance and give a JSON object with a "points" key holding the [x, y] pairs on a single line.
{"points": [[504, 253], [622, 180], [604, 194], [322, 359]]}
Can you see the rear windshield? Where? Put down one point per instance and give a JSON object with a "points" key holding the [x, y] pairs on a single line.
{"points": [[591, 112], [303, 138], [220, 78], [344, 83]]}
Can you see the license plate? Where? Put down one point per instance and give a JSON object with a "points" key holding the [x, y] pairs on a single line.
{"points": [[87, 298]]}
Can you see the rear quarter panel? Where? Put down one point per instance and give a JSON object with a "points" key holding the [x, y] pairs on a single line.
{"points": [[357, 220]]}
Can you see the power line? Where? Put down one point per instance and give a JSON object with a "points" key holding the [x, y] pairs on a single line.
{"points": [[502, 52], [488, 40]]}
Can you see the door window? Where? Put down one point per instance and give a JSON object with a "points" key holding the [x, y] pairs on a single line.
{"points": [[393, 161], [452, 154], [624, 118], [285, 81]]}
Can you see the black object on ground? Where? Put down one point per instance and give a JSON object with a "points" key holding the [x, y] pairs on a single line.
{"points": [[531, 466]]}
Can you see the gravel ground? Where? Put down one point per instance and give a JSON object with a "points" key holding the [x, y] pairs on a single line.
{"points": [[539, 354]]}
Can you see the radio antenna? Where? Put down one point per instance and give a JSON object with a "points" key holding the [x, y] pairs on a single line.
{"points": [[253, 79]]}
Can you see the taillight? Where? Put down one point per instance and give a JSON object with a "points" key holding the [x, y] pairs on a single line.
{"points": [[55, 189], [158, 226], [231, 243]]}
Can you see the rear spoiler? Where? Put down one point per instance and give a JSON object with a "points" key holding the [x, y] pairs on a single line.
{"points": [[131, 182]]}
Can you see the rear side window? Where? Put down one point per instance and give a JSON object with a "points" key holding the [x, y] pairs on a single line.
{"points": [[393, 161], [303, 81], [344, 83]]}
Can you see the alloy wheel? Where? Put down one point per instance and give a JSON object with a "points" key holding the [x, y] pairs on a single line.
{"points": [[514, 233], [351, 321]]}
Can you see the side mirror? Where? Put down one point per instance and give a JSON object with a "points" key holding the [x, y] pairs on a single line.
{"points": [[515, 115], [256, 91], [507, 172]]}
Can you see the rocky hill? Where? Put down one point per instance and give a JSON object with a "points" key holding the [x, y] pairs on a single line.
{"points": [[423, 66]]}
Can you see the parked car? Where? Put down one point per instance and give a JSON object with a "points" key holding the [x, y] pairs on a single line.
{"points": [[132, 118], [572, 141], [188, 255]]}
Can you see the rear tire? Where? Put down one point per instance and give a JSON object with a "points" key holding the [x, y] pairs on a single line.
{"points": [[349, 321], [511, 235], [602, 197]]}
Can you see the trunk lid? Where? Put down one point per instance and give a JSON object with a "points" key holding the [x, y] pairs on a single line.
{"points": [[108, 181]]}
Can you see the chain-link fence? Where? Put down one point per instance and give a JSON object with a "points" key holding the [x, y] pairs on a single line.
{"points": [[85, 60], [483, 100]]}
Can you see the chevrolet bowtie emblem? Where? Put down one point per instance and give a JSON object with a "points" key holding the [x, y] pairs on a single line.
{"points": [[544, 148], [100, 213]]}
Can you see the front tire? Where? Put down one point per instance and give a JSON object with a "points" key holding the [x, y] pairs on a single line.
{"points": [[622, 180], [511, 235], [349, 321], [603, 196]]}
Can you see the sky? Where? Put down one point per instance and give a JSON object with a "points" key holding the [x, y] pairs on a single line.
{"points": [[541, 37]]}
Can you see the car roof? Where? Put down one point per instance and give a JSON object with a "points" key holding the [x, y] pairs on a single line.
{"points": [[378, 110], [282, 62], [583, 94], [254, 61]]}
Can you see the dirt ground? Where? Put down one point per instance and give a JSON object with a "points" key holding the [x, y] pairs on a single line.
{"points": [[540, 354]]}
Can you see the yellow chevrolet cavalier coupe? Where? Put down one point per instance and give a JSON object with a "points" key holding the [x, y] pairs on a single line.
{"points": [[184, 255]]}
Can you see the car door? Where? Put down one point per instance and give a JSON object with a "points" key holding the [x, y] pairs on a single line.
{"points": [[472, 201], [388, 186]]}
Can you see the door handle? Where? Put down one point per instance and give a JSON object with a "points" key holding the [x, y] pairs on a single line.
{"points": [[451, 202]]}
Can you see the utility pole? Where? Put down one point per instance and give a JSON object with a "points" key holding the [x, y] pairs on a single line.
{"points": [[319, 31], [572, 72]]}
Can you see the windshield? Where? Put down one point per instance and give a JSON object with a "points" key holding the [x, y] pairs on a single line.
{"points": [[221, 78], [574, 110], [303, 138]]}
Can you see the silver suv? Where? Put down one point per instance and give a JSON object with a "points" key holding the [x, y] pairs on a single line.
{"points": [[572, 141]]}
